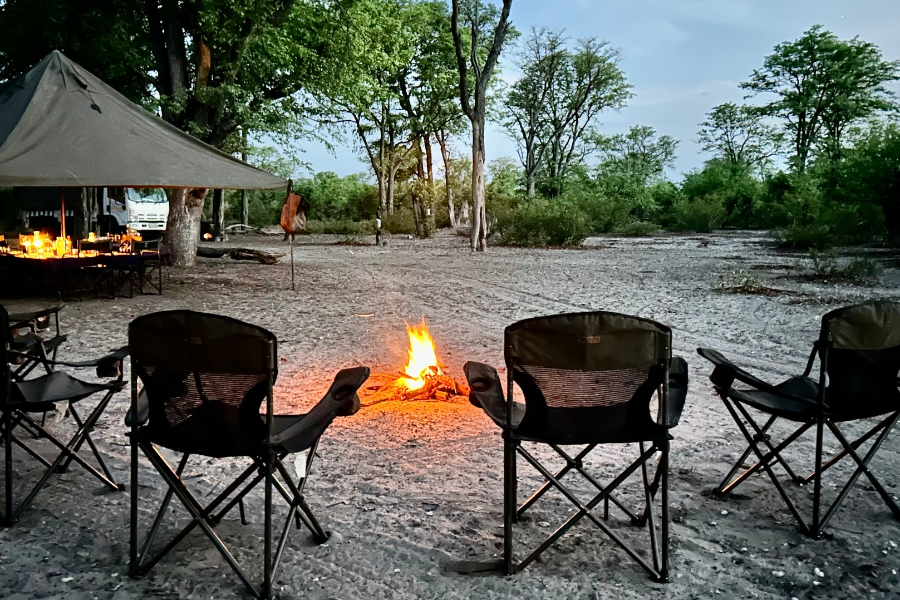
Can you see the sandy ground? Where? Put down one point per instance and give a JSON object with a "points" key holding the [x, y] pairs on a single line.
{"points": [[408, 488]]}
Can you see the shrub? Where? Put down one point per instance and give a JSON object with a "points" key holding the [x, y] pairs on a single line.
{"points": [[542, 222], [400, 221], [825, 266], [341, 227], [742, 282], [637, 229], [702, 215]]}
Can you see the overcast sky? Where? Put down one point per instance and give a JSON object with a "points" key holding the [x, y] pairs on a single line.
{"points": [[683, 57]]}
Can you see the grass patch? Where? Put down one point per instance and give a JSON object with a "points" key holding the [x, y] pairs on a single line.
{"points": [[341, 227], [826, 267], [746, 282]]}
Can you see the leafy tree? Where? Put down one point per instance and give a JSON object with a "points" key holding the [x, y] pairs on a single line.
{"points": [[639, 154], [526, 117], [870, 174], [211, 68], [479, 19], [740, 136], [590, 82], [823, 85]]}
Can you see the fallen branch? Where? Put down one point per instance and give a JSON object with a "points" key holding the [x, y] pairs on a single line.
{"points": [[241, 228], [239, 254]]}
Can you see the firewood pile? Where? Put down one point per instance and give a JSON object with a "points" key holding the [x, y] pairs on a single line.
{"points": [[437, 387]]}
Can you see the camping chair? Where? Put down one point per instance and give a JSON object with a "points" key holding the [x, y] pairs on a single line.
{"points": [[204, 379], [859, 359], [33, 349], [587, 379], [151, 264], [19, 399]]}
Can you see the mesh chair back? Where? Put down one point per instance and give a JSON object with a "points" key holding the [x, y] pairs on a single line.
{"points": [[146, 246], [205, 378], [5, 372], [588, 377], [863, 360]]}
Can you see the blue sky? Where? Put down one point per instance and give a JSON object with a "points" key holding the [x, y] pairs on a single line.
{"points": [[682, 56]]}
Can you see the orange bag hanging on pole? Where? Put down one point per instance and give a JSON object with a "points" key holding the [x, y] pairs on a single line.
{"points": [[293, 214]]}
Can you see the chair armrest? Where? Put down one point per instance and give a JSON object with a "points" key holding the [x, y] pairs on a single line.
{"points": [[486, 390], [726, 372], [142, 413], [340, 400], [17, 318], [678, 387], [107, 366]]}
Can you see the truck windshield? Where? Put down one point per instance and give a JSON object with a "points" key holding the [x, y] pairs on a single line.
{"points": [[154, 195]]}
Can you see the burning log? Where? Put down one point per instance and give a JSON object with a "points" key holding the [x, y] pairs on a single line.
{"points": [[422, 380]]}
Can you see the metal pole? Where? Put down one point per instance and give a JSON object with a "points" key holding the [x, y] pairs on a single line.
{"points": [[62, 212], [290, 189]]}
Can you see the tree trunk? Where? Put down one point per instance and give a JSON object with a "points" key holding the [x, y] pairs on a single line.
{"points": [[890, 205], [245, 199], [219, 215], [478, 240], [429, 160], [183, 224], [445, 154]]}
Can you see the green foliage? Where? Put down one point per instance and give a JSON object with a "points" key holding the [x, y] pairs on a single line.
{"points": [[341, 198], [401, 221], [637, 229], [739, 136], [703, 215], [738, 191], [341, 227], [822, 86], [540, 222]]}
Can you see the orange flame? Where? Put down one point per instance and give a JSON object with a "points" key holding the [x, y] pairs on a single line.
{"points": [[422, 356]]}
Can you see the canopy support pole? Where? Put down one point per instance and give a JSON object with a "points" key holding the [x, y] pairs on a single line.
{"points": [[62, 212], [287, 197]]}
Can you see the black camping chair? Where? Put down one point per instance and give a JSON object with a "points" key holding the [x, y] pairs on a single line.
{"points": [[29, 338], [204, 380], [859, 360], [148, 274], [19, 399], [587, 379]]}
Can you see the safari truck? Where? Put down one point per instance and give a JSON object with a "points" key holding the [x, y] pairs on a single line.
{"points": [[141, 209]]}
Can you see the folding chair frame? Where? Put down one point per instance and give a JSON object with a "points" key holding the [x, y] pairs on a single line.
{"points": [[659, 547], [267, 466], [771, 455], [13, 417]]}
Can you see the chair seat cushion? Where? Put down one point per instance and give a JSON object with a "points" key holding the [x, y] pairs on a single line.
{"points": [[39, 394]]}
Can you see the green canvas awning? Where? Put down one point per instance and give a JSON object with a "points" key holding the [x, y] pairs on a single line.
{"points": [[60, 126]]}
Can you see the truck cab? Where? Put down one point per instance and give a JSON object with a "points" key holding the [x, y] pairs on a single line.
{"points": [[141, 209]]}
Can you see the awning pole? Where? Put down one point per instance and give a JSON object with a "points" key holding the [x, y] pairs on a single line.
{"points": [[287, 198], [62, 212]]}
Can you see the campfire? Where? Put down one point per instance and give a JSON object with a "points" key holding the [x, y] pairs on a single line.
{"points": [[422, 379]]}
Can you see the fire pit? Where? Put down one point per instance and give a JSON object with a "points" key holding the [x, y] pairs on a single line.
{"points": [[423, 378]]}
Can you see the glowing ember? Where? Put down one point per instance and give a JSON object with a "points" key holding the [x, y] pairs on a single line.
{"points": [[422, 357]]}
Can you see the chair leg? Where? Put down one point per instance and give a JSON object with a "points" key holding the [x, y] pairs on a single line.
{"points": [[817, 480], [862, 468], [664, 517], [199, 514], [8, 491], [510, 447], [764, 460], [267, 542], [648, 498], [855, 446]]}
